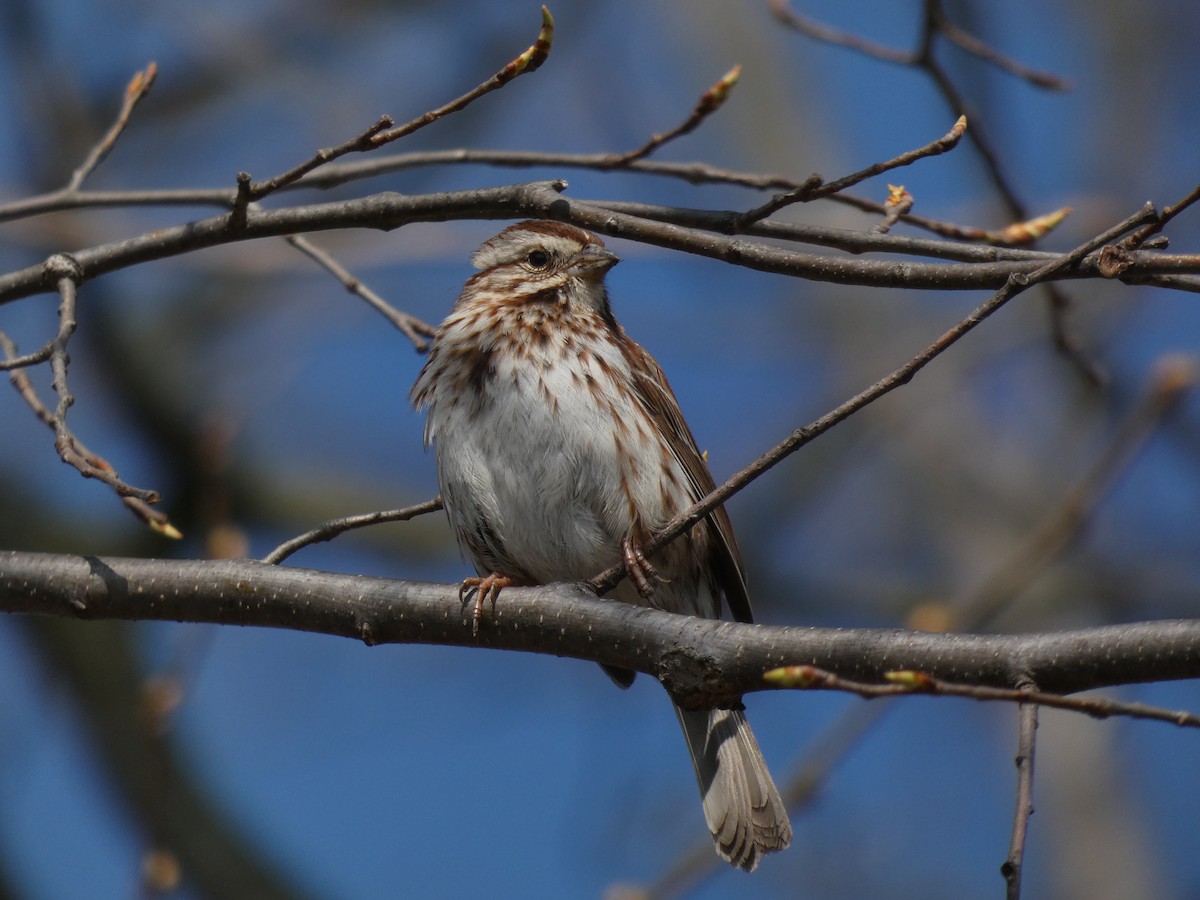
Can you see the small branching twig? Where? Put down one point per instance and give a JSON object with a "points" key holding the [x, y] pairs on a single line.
{"points": [[904, 682], [73, 451], [66, 272], [936, 22], [1139, 237], [332, 528], [70, 196], [1015, 234], [817, 31], [1027, 723], [382, 132], [249, 191], [691, 172], [527, 62], [989, 54], [944, 144], [13, 361], [840, 238], [138, 87], [345, 172], [410, 326], [815, 187], [710, 101]]}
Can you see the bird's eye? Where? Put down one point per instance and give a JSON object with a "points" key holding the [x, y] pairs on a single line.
{"points": [[538, 259]]}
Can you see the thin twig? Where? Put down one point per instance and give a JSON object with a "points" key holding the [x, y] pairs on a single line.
{"points": [[710, 101], [1027, 723], [1139, 237], [989, 54], [905, 682], [527, 62], [345, 172], [958, 105], [815, 187], [1058, 303], [65, 442], [691, 172], [1067, 342], [383, 132], [1015, 285], [253, 191], [944, 144], [852, 241], [12, 361], [332, 528], [60, 360], [817, 31], [98, 467], [412, 328], [138, 87]]}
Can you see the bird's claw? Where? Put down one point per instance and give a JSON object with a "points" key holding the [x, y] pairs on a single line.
{"points": [[483, 588], [641, 571]]}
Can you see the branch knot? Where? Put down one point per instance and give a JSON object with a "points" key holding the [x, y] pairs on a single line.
{"points": [[64, 265]]}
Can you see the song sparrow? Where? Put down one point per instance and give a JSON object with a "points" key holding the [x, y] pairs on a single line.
{"points": [[560, 447]]}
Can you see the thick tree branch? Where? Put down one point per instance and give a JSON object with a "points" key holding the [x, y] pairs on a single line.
{"points": [[388, 211], [700, 661]]}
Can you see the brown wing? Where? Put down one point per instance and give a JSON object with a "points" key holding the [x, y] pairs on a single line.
{"points": [[656, 393]]}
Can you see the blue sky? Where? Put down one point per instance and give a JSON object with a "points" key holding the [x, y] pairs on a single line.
{"points": [[446, 772]]}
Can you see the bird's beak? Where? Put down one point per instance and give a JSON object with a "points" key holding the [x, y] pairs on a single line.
{"points": [[592, 262]]}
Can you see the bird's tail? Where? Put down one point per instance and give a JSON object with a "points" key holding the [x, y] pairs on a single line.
{"points": [[742, 806]]}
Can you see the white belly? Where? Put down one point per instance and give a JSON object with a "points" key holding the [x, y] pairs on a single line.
{"points": [[542, 469]]}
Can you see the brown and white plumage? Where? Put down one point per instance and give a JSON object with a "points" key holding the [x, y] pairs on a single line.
{"points": [[560, 447]]}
